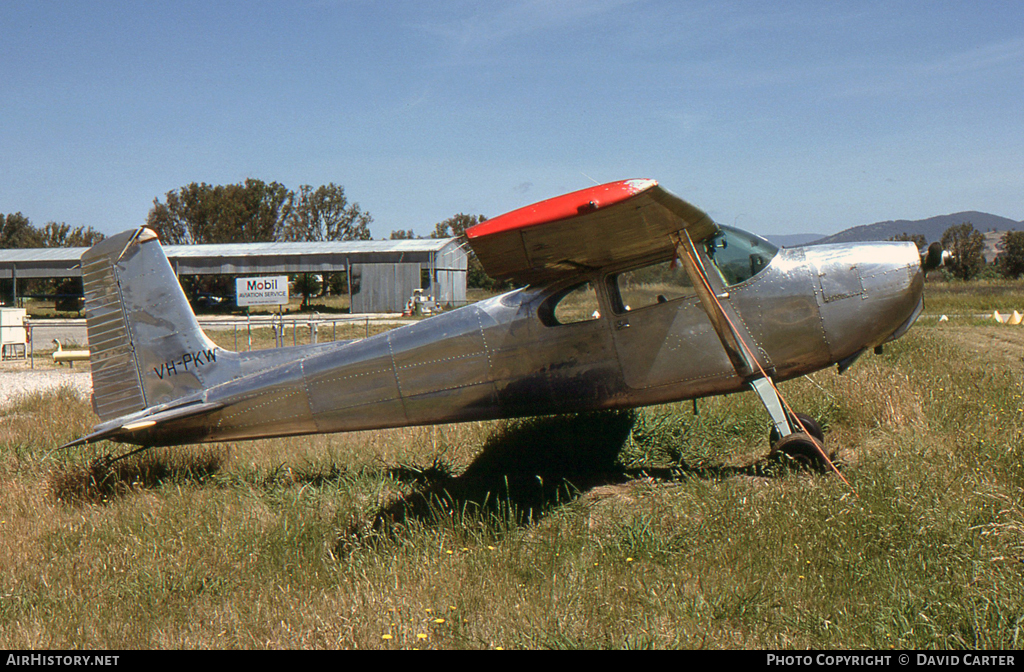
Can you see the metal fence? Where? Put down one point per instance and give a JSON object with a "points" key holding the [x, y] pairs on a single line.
{"points": [[310, 327], [44, 335]]}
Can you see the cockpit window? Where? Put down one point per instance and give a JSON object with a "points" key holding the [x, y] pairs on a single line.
{"points": [[649, 285], [739, 255], [571, 305]]}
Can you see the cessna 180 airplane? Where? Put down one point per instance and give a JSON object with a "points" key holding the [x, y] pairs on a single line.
{"points": [[632, 297]]}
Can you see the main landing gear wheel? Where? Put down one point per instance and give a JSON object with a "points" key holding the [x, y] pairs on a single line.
{"points": [[801, 449], [809, 424]]}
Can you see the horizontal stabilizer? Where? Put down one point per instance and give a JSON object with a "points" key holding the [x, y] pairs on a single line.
{"points": [[124, 427]]}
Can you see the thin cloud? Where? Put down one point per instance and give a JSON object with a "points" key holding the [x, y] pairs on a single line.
{"points": [[486, 27], [940, 73], [990, 57]]}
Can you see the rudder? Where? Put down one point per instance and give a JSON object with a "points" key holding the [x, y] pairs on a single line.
{"points": [[146, 346]]}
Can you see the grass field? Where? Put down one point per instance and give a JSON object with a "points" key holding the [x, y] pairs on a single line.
{"points": [[978, 296], [658, 528]]}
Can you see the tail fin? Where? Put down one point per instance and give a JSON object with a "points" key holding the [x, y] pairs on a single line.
{"points": [[146, 347]]}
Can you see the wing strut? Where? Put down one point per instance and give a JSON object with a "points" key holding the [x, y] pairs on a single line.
{"points": [[750, 365], [710, 289]]}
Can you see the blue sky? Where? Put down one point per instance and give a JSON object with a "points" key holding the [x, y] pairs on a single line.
{"points": [[781, 117]]}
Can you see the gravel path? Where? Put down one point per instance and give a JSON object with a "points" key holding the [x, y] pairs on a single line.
{"points": [[17, 379]]}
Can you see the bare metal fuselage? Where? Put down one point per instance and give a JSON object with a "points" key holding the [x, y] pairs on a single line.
{"points": [[809, 308]]}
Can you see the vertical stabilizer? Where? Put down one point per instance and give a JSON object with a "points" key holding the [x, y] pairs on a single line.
{"points": [[146, 347]]}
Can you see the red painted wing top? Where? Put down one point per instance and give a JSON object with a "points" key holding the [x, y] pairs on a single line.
{"points": [[585, 230]]}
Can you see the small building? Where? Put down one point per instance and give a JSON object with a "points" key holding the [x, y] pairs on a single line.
{"points": [[382, 274]]}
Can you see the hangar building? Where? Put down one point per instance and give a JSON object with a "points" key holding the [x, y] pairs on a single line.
{"points": [[382, 274]]}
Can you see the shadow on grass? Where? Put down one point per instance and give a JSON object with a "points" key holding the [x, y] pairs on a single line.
{"points": [[529, 466], [526, 466], [104, 479]]}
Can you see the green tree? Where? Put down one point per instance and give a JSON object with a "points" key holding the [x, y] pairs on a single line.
{"points": [[187, 216], [1011, 245], [455, 226], [308, 285], [967, 246], [62, 235], [251, 212], [267, 208], [325, 213], [17, 231], [337, 283], [69, 295], [402, 235]]}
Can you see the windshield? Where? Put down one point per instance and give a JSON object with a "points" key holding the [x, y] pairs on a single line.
{"points": [[739, 255]]}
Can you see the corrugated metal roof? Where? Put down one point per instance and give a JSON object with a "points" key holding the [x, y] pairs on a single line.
{"points": [[30, 254], [324, 247]]}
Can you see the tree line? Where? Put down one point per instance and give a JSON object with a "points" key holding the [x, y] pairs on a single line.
{"points": [[966, 246], [17, 231], [198, 213], [255, 211]]}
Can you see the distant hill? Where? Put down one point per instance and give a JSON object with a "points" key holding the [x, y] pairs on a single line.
{"points": [[794, 239], [931, 228]]}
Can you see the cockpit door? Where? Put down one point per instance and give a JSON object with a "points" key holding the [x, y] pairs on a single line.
{"points": [[662, 334]]}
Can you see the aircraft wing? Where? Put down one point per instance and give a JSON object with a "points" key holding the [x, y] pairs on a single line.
{"points": [[584, 230]]}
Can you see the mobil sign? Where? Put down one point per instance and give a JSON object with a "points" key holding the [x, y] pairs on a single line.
{"points": [[269, 291]]}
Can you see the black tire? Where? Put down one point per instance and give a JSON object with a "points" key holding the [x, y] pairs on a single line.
{"points": [[800, 450], [809, 423]]}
